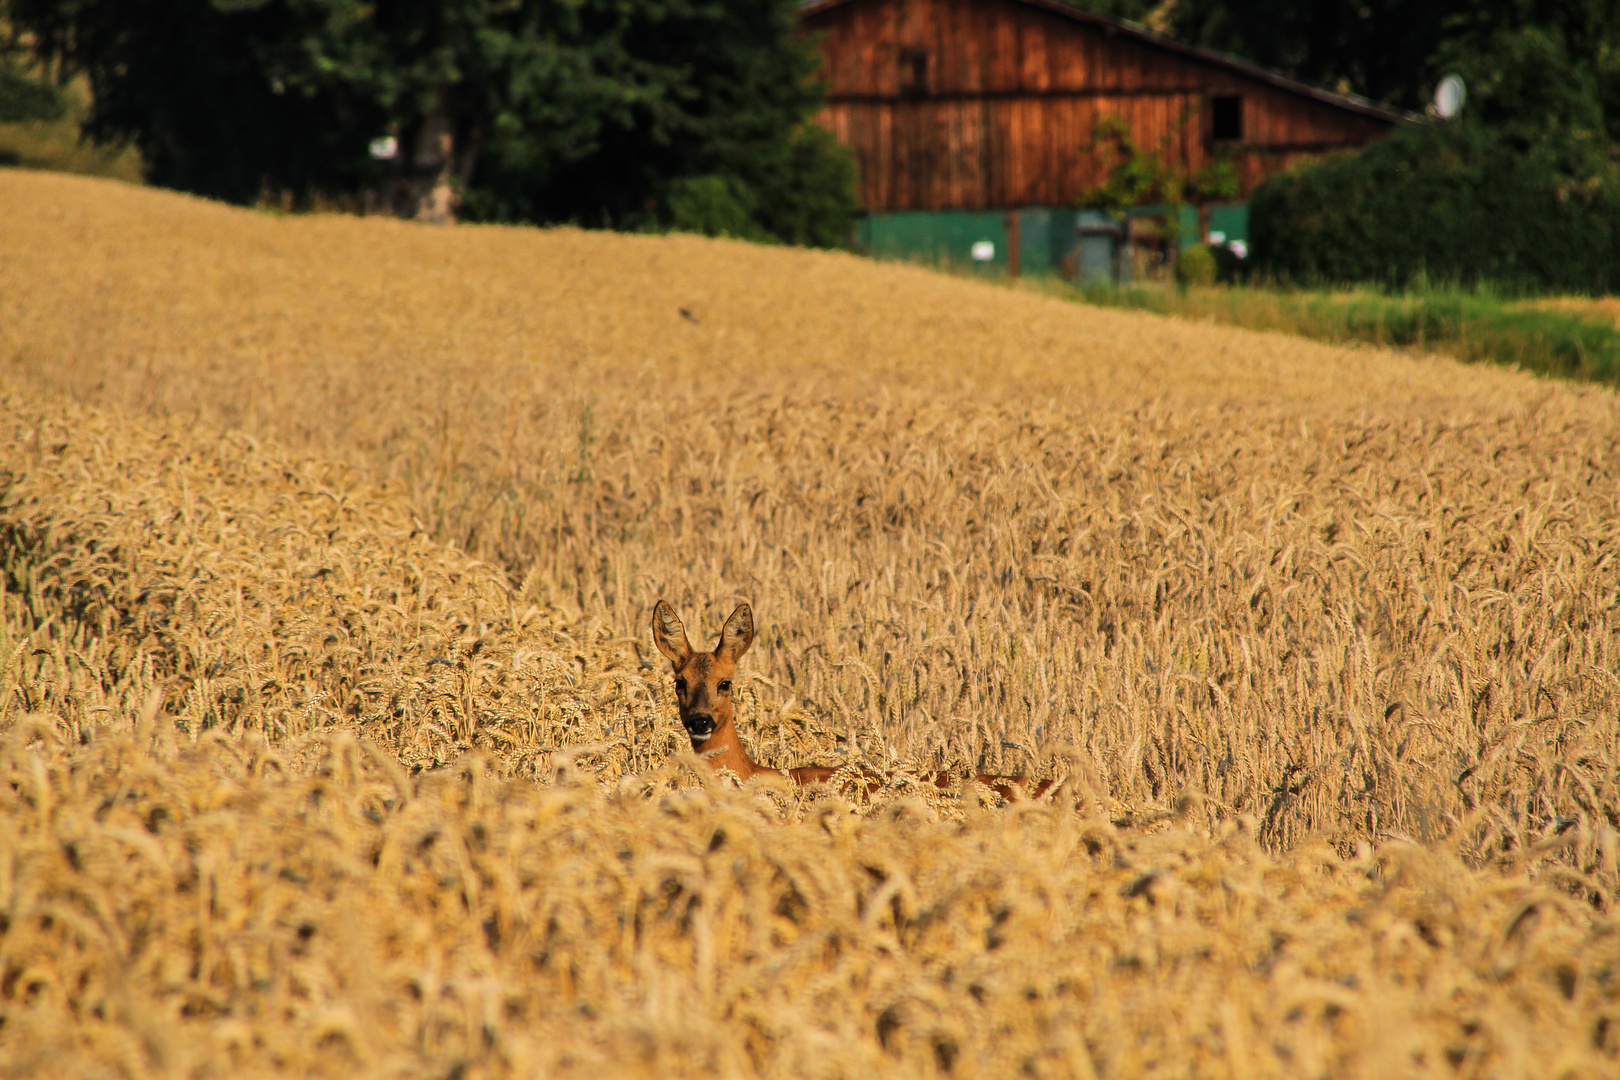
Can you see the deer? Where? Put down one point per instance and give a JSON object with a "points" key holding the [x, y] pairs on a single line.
{"points": [[703, 682]]}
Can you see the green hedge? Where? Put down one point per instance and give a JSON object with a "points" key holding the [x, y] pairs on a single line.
{"points": [[1442, 204]]}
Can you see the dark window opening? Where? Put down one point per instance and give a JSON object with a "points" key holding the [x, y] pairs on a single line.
{"points": [[1228, 117], [913, 71]]}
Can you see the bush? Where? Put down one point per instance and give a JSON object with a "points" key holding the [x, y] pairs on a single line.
{"points": [[800, 190], [806, 191], [1196, 266], [713, 206], [1443, 203], [1230, 268]]}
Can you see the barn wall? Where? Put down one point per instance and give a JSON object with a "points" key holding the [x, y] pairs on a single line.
{"points": [[1012, 93]]}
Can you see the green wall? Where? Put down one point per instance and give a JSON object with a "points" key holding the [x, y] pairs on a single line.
{"points": [[1232, 220], [1045, 234], [937, 237]]}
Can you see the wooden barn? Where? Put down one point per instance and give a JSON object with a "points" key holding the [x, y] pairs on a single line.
{"points": [[970, 121]]}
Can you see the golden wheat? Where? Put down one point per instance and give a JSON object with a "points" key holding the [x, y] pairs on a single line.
{"points": [[1246, 594]]}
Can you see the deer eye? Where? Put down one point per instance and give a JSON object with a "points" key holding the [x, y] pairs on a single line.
{"points": [[725, 686], [680, 687]]}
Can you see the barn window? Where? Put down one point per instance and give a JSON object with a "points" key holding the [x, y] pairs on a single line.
{"points": [[913, 71], [1228, 117]]}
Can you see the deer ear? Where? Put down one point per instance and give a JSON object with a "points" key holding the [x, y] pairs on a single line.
{"points": [[737, 634], [669, 635]]}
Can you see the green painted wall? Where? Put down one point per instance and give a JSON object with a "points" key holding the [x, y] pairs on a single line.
{"points": [[936, 237], [946, 237], [1045, 235], [1232, 220]]}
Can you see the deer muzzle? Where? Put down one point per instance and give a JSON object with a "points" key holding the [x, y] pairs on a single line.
{"points": [[698, 725]]}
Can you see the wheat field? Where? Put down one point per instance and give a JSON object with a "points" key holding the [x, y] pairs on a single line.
{"points": [[335, 742]]}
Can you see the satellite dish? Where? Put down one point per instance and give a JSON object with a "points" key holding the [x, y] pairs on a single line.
{"points": [[1449, 97]]}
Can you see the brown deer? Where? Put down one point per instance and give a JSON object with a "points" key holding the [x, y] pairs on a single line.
{"points": [[703, 693]]}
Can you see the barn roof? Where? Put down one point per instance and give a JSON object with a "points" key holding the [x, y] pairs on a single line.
{"points": [[1142, 35]]}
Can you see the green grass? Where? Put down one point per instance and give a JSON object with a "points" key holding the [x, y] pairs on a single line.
{"points": [[1469, 326]]}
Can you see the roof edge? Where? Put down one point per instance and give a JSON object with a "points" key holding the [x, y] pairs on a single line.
{"points": [[1350, 102]]}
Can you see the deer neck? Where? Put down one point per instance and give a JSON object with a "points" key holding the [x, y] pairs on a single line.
{"points": [[724, 750]]}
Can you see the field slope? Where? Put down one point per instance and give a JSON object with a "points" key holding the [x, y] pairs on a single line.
{"points": [[334, 743]]}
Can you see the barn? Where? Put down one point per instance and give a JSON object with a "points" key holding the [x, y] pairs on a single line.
{"points": [[972, 123]]}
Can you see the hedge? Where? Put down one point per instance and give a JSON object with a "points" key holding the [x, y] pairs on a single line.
{"points": [[1442, 204]]}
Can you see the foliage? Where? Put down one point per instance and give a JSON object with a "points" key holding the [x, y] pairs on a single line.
{"points": [[733, 90], [1196, 265], [805, 188], [1522, 192], [1396, 51], [24, 97], [1137, 11], [537, 110], [713, 206], [186, 82], [39, 119], [1459, 203], [1540, 71], [1383, 49], [1137, 176], [57, 145], [1472, 326]]}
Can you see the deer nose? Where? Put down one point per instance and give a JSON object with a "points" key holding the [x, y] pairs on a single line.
{"points": [[699, 725]]}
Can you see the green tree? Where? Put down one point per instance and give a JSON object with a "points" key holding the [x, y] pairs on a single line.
{"points": [[23, 97], [183, 80], [1540, 73], [1382, 49], [532, 110], [23, 94], [1395, 51]]}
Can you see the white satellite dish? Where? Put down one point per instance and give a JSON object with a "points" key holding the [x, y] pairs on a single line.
{"points": [[1449, 97]]}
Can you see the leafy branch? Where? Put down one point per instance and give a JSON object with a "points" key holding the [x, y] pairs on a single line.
{"points": [[1137, 176]]}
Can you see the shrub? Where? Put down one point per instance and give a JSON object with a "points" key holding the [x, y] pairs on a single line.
{"points": [[714, 206], [1454, 204], [806, 190], [800, 191], [1196, 266]]}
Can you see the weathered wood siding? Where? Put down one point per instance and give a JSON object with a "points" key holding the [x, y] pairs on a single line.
{"points": [[1010, 96]]}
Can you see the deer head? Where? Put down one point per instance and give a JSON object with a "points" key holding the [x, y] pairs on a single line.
{"points": [[703, 693], [703, 684]]}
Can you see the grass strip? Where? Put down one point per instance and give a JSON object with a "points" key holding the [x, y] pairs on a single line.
{"points": [[1469, 326]]}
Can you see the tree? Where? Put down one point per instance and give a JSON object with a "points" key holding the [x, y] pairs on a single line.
{"points": [[1394, 51], [1542, 72], [23, 95], [1382, 49], [183, 80], [533, 110], [728, 92]]}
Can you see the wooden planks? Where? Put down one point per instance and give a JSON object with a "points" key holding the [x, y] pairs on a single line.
{"points": [[1013, 91]]}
